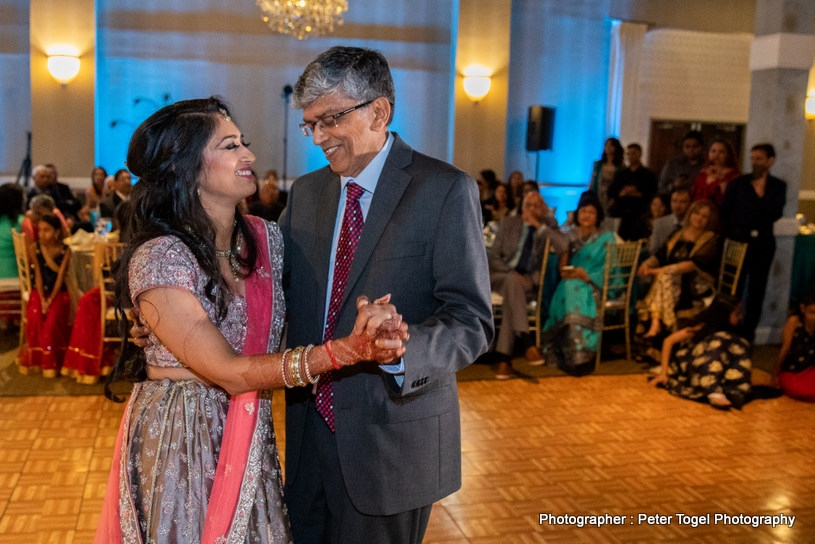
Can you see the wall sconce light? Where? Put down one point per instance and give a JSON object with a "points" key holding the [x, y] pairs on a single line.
{"points": [[63, 63], [476, 82], [809, 107]]}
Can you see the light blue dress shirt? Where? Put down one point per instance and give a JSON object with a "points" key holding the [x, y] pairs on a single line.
{"points": [[367, 179]]}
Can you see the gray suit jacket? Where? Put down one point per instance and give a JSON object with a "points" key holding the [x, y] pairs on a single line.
{"points": [[399, 448], [506, 244], [660, 231]]}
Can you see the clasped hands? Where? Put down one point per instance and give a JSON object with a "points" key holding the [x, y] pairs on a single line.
{"points": [[379, 333]]}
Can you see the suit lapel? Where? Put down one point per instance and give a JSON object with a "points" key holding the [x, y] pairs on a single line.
{"points": [[325, 215], [389, 190]]}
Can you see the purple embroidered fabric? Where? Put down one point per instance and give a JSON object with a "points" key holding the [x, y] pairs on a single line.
{"points": [[176, 427]]}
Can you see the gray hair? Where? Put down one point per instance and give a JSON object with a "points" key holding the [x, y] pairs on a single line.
{"points": [[37, 169], [42, 201], [359, 73]]}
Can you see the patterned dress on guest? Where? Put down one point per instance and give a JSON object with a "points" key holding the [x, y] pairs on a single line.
{"points": [[720, 363], [174, 429]]}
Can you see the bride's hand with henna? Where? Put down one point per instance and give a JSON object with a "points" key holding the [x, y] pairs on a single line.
{"points": [[379, 334]]}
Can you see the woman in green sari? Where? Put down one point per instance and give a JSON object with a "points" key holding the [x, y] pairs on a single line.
{"points": [[571, 332]]}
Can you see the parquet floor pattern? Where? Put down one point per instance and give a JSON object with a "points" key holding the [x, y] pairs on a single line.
{"points": [[589, 446]]}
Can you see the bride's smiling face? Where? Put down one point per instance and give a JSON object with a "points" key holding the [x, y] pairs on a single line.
{"points": [[227, 173]]}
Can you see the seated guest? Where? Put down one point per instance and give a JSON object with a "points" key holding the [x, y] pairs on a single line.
{"points": [[268, 205], [683, 268], [712, 363], [681, 172], [11, 217], [515, 261], [94, 194], [516, 188], [794, 370], [47, 330], [46, 183], [719, 170], [502, 203], [39, 206], [121, 192], [630, 193], [571, 332], [657, 209], [486, 186], [664, 226]]}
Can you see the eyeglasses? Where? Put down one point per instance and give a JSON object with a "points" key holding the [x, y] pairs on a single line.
{"points": [[328, 121]]}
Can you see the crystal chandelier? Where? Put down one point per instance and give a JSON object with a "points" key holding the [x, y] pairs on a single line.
{"points": [[303, 18]]}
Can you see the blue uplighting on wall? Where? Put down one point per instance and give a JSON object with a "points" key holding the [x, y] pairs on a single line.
{"points": [[561, 62]]}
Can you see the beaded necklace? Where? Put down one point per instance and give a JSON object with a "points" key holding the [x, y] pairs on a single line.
{"points": [[234, 265]]}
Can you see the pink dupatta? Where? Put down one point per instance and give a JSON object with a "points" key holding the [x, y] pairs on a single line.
{"points": [[239, 429]]}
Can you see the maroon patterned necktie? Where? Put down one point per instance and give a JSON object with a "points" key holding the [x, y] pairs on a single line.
{"points": [[349, 236]]}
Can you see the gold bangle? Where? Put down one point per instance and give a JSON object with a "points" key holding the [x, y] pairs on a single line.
{"points": [[307, 371], [286, 354], [294, 366]]}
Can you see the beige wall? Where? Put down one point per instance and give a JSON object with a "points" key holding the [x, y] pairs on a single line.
{"points": [[480, 128], [62, 122]]}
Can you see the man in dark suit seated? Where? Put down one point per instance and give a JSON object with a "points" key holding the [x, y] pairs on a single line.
{"points": [[370, 448], [664, 226], [121, 192], [47, 183], [515, 261]]}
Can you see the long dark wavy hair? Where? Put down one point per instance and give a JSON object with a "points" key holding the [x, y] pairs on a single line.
{"points": [[166, 153], [716, 317]]}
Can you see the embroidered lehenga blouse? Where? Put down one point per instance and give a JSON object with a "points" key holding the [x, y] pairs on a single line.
{"points": [[172, 431]]}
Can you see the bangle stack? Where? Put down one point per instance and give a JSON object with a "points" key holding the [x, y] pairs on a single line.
{"points": [[294, 366]]}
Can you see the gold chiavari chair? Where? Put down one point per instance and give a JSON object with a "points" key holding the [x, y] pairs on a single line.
{"points": [[104, 255], [733, 254], [24, 274], [618, 279]]}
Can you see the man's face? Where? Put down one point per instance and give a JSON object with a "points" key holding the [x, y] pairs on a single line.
{"points": [[42, 178], [761, 162], [534, 209], [52, 174], [633, 155], [692, 149], [358, 136], [679, 204]]}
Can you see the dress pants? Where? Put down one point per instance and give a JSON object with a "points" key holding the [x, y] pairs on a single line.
{"points": [[755, 272], [318, 504], [517, 291]]}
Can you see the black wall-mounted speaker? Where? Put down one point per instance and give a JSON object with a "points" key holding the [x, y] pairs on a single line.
{"points": [[540, 128]]}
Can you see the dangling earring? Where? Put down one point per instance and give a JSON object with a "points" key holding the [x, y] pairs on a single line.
{"points": [[198, 191]]}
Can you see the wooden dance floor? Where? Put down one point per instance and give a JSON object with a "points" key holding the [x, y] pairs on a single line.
{"points": [[577, 451]]}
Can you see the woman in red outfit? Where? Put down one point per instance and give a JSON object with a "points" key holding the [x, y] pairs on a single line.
{"points": [[49, 309], [718, 172]]}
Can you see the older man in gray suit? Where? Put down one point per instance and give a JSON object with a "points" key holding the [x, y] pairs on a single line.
{"points": [[369, 450], [515, 261], [664, 226]]}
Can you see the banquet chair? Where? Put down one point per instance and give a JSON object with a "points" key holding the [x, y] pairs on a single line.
{"points": [[24, 274], [733, 254], [618, 279], [534, 308], [104, 255]]}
